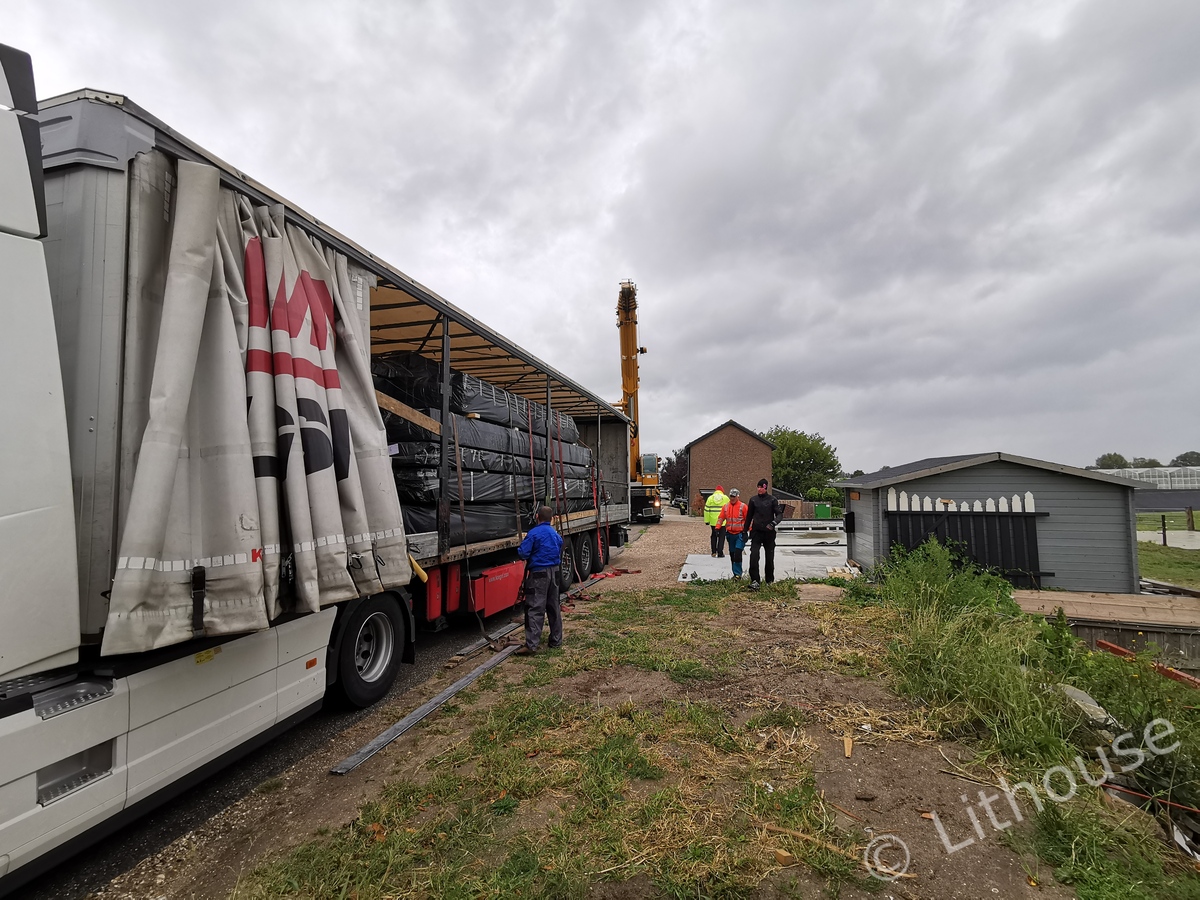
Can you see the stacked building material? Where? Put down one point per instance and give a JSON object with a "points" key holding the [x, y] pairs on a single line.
{"points": [[499, 456], [416, 381]]}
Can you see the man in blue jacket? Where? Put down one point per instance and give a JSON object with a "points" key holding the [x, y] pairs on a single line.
{"points": [[543, 548]]}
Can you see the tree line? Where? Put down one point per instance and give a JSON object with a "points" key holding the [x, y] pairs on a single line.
{"points": [[1117, 461]]}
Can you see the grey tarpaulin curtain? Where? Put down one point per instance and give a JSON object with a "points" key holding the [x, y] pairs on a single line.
{"points": [[261, 455]]}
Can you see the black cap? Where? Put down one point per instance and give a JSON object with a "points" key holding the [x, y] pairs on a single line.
{"points": [[762, 482]]}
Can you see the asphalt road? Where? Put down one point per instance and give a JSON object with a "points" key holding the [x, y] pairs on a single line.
{"points": [[95, 867]]}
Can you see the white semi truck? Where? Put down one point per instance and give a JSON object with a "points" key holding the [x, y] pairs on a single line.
{"points": [[200, 535]]}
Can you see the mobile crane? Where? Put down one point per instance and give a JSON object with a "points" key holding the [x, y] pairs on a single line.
{"points": [[645, 500]]}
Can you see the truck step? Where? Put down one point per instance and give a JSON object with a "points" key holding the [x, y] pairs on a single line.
{"points": [[74, 773], [59, 700], [27, 684]]}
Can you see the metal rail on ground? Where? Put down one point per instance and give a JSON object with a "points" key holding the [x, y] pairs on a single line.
{"points": [[479, 644], [350, 763]]}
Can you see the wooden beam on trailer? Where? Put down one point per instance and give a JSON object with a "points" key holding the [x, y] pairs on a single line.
{"points": [[405, 411]]}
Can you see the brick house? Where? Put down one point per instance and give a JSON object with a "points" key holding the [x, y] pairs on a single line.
{"points": [[730, 455]]}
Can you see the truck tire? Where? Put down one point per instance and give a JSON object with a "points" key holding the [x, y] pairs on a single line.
{"points": [[369, 655], [585, 553], [566, 565], [601, 538]]}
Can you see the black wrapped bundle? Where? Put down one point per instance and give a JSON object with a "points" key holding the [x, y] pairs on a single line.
{"points": [[421, 486], [427, 455], [485, 521], [416, 381], [494, 404], [480, 435]]}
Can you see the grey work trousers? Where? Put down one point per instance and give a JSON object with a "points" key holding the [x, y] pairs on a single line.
{"points": [[541, 604]]}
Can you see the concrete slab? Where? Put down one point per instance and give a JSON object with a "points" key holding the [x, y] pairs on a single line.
{"points": [[795, 557]]}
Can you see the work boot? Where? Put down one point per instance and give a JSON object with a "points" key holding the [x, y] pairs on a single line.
{"points": [[714, 556]]}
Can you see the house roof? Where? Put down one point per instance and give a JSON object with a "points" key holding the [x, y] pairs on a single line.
{"points": [[708, 434], [937, 464]]}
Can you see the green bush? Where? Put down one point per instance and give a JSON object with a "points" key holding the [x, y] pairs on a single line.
{"points": [[831, 494], [813, 494]]}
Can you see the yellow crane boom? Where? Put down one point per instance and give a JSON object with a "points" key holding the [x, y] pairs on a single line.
{"points": [[627, 329], [643, 471]]}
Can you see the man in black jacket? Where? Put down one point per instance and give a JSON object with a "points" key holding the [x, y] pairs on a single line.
{"points": [[762, 515]]}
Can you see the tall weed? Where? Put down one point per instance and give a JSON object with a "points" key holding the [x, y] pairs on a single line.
{"points": [[968, 651], [986, 678]]}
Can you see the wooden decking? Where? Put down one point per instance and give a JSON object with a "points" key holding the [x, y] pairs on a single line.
{"points": [[1171, 611]]}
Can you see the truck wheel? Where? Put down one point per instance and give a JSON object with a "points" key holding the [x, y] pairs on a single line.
{"points": [[585, 553], [566, 566], [601, 538], [369, 655]]}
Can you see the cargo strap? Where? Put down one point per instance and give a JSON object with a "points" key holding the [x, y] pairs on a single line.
{"points": [[198, 592], [462, 514]]}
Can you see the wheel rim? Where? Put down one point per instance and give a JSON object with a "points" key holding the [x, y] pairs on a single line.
{"points": [[374, 646]]}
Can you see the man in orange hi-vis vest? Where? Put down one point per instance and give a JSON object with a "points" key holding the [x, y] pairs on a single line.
{"points": [[733, 520]]}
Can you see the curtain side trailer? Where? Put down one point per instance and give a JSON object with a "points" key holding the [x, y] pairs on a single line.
{"points": [[176, 588]]}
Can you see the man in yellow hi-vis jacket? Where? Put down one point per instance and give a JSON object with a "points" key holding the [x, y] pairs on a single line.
{"points": [[712, 512]]}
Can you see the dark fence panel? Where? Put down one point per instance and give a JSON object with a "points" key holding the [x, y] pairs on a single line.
{"points": [[1005, 542]]}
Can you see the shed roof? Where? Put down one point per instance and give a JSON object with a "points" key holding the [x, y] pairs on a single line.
{"points": [[708, 434], [935, 465]]}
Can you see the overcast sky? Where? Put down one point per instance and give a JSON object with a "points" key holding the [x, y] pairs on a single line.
{"points": [[918, 228]]}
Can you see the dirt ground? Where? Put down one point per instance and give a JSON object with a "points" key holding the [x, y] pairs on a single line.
{"points": [[655, 554], [895, 778]]}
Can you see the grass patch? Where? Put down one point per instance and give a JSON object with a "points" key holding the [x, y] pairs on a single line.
{"points": [[1176, 521], [545, 797], [784, 716], [1103, 857], [656, 631], [270, 786], [1173, 565], [800, 808]]}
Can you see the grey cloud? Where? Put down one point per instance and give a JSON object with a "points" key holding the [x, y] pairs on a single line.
{"points": [[916, 227]]}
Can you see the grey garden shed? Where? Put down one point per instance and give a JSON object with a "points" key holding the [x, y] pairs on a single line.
{"points": [[1040, 524]]}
